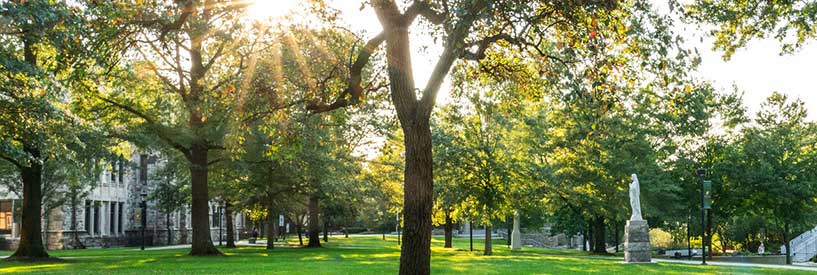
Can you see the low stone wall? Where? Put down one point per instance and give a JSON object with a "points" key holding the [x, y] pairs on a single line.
{"points": [[539, 239]]}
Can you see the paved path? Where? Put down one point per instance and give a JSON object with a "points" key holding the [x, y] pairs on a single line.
{"points": [[793, 267]]}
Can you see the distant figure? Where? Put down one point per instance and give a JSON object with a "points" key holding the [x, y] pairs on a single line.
{"points": [[635, 199], [255, 233]]}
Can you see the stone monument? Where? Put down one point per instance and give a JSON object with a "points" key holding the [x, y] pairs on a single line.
{"points": [[637, 232], [516, 236]]}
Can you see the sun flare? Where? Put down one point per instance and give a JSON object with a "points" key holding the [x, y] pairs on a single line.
{"points": [[262, 10]]}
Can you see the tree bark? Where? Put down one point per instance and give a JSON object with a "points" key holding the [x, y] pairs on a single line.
{"points": [[313, 228], [449, 228], [599, 242], [488, 242], [77, 244], [616, 226], [787, 242], [471, 235], [270, 231], [300, 237], [228, 213], [202, 244], [31, 241], [418, 199], [325, 232]]}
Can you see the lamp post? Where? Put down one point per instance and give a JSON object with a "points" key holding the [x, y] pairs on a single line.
{"points": [[144, 217], [397, 228], [220, 209], [701, 173]]}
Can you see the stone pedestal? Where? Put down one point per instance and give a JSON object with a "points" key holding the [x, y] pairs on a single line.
{"points": [[516, 235], [637, 242]]}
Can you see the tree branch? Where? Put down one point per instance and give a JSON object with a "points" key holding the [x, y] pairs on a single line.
{"points": [[12, 160], [423, 8], [354, 89], [152, 122]]}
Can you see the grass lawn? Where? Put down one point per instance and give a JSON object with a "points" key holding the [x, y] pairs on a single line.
{"points": [[355, 255]]}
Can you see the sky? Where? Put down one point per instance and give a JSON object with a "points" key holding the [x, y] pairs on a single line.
{"points": [[758, 70]]}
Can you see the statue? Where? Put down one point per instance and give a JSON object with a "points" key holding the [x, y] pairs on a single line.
{"points": [[637, 248], [635, 199]]}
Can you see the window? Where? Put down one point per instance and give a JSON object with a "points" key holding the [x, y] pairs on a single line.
{"points": [[5, 217]]}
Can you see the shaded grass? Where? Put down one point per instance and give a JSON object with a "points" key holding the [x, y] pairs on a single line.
{"points": [[355, 255]]}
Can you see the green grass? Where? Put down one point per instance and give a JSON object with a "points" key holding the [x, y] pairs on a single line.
{"points": [[358, 256]]}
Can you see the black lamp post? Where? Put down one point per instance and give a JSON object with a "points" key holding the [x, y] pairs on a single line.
{"points": [[220, 209], [701, 173], [144, 215], [397, 228]]}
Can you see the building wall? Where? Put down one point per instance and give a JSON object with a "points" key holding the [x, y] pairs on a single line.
{"points": [[117, 191]]}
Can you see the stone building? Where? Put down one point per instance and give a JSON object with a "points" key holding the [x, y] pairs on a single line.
{"points": [[111, 214]]}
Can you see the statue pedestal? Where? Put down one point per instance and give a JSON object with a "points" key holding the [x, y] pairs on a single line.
{"points": [[516, 240], [637, 242]]}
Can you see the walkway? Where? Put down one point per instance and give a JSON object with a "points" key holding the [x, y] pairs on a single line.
{"points": [[792, 267]]}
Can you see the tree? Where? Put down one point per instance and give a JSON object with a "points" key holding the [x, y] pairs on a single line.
{"points": [[468, 29], [172, 192], [778, 159], [738, 22], [383, 186], [482, 158], [49, 51], [184, 87]]}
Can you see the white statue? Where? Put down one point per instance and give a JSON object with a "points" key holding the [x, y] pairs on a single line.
{"points": [[635, 199]]}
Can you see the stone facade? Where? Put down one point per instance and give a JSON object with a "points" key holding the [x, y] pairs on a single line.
{"points": [[111, 214], [637, 242]]}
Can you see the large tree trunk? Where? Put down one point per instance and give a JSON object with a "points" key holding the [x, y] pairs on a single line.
{"points": [[228, 212], [270, 228], [449, 228], [415, 258], [414, 114], [313, 228], [488, 242], [31, 246], [76, 243], [202, 244], [599, 241]]}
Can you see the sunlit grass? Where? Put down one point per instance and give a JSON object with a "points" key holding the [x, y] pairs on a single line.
{"points": [[355, 255]]}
